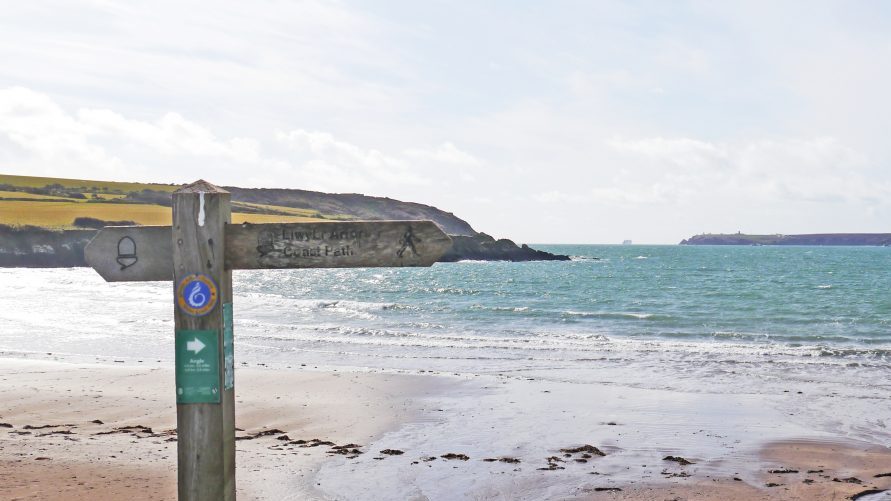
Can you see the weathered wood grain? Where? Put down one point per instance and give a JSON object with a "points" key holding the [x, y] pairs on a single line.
{"points": [[203, 242], [205, 431], [131, 253], [347, 244]]}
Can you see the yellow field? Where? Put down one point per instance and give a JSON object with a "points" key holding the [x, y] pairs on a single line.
{"points": [[293, 211], [47, 212], [290, 210], [104, 196], [62, 214], [37, 196], [267, 218], [33, 196], [40, 182]]}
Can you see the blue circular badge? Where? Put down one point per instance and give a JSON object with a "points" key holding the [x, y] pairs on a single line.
{"points": [[196, 295]]}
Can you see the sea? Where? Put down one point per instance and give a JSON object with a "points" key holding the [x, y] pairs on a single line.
{"points": [[704, 308], [749, 342]]}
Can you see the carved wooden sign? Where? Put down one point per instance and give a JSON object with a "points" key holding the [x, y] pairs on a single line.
{"points": [[198, 252], [144, 253], [132, 253], [334, 244]]}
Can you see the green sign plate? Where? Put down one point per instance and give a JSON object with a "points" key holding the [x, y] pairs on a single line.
{"points": [[197, 367], [228, 348]]}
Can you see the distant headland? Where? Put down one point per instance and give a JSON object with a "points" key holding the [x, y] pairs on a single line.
{"points": [[874, 239], [47, 222]]}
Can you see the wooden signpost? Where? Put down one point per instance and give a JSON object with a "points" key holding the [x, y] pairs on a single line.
{"points": [[198, 253]]}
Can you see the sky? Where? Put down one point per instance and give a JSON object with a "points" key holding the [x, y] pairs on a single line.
{"points": [[543, 122]]}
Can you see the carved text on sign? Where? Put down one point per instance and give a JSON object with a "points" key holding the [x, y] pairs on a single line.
{"points": [[286, 242]]}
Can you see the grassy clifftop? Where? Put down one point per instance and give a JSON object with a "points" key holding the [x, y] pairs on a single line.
{"points": [[57, 202], [46, 222]]}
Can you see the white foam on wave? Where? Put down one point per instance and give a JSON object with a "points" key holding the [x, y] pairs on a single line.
{"points": [[587, 258], [356, 335], [96, 312], [514, 309], [611, 314]]}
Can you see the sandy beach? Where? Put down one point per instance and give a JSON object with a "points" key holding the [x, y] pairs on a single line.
{"points": [[75, 431], [104, 431]]}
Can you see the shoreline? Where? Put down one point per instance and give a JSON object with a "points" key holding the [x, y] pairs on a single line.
{"points": [[493, 420]]}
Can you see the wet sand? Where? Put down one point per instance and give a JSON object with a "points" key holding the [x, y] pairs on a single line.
{"points": [[75, 431], [106, 431], [793, 470]]}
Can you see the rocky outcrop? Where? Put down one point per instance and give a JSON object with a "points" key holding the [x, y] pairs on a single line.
{"points": [[482, 247], [875, 239], [29, 246]]}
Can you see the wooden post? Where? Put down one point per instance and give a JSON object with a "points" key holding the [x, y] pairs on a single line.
{"points": [[205, 410], [202, 249]]}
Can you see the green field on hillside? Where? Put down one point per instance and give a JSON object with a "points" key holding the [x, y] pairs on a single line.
{"points": [[83, 185], [56, 202]]}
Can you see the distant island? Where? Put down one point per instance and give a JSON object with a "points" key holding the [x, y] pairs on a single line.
{"points": [[874, 239], [47, 222]]}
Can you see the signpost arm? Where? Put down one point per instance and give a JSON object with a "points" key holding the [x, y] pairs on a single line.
{"points": [[206, 430]]}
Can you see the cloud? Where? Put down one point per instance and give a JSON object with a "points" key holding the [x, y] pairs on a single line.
{"points": [[617, 109], [44, 138], [329, 163], [47, 139], [683, 170], [558, 197]]}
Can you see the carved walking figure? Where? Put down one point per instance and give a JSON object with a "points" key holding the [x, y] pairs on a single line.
{"points": [[266, 242], [408, 242]]}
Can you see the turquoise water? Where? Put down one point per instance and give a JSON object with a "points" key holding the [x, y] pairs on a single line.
{"points": [[832, 298], [705, 312], [703, 352]]}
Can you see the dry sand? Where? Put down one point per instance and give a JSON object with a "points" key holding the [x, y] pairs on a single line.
{"points": [[55, 450], [103, 432]]}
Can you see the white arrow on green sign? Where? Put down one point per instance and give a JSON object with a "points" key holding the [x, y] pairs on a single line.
{"points": [[195, 346], [197, 368]]}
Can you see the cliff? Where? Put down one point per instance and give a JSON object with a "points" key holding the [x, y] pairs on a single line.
{"points": [[34, 247], [351, 205], [876, 239], [33, 236], [30, 246]]}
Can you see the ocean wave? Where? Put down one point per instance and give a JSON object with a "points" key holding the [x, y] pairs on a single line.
{"points": [[793, 340], [512, 309], [877, 353], [458, 291], [361, 335], [586, 258], [615, 315], [562, 346], [283, 304]]}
